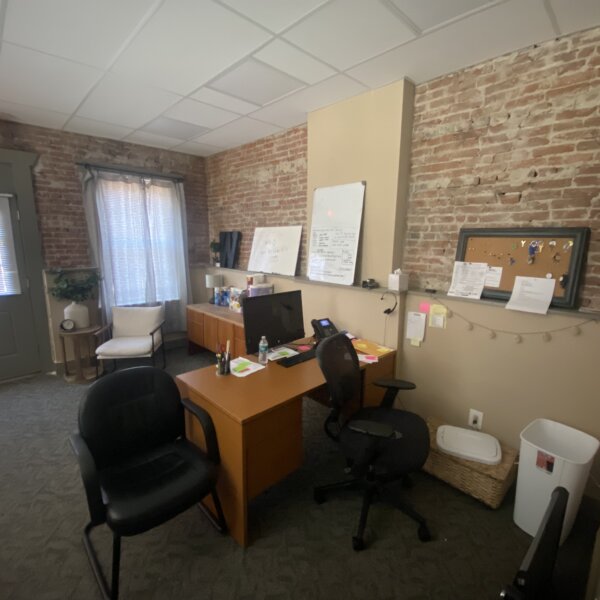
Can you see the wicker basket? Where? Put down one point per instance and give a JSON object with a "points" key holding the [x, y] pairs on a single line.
{"points": [[488, 483]]}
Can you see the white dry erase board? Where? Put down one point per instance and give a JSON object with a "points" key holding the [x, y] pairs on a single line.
{"points": [[334, 232], [275, 249]]}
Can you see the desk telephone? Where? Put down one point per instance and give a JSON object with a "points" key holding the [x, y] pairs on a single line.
{"points": [[323, 328]]}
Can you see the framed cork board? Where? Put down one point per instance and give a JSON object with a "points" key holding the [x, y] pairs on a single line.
{"points": [[553, 252]]}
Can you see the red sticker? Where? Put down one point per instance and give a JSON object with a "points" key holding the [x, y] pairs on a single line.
{"points": [[544, 461]]}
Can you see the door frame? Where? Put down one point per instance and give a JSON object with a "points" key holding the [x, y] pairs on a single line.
{"points": [[21, 164]]}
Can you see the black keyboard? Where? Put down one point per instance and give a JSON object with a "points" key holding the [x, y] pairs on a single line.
{"points": [[290, 361]]}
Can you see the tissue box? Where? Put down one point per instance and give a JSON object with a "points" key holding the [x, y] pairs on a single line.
{"points": [[260, 289], [398, 282]]}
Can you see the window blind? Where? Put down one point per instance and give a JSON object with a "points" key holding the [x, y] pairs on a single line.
{"points": [[9, 271]]}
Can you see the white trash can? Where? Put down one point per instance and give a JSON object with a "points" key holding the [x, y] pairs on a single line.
{"points": [[551, 454]]}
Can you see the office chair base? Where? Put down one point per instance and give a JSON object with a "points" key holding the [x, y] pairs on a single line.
{"points": [[112, 592], [371, 490]]}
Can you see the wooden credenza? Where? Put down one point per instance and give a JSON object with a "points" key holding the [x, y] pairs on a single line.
{"points": [[210, 326]]}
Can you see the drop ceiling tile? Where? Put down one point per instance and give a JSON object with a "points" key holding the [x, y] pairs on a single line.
{"points": [[35, 79], [197, 41], [435, 12], [482, 36], [224, 101], [197, 149], [9, 111], [275, 14], [293, 109], [573, 16], [122, 101], [64, 28], [294, 62], [201, 114], [97, 128], [152, 139], [174, 128], [238, 132], [256, 82], [369, 28]]}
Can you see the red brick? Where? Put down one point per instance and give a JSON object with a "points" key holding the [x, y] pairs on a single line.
{"points": [[537, 165]]}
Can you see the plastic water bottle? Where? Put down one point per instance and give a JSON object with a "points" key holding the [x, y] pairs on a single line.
{"points": [[263, 349]]}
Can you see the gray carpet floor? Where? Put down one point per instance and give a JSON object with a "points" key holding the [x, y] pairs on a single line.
{"points": [[301, 550]]}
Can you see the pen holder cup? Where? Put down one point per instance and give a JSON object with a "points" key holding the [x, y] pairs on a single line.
{"points": [[223, 366]]}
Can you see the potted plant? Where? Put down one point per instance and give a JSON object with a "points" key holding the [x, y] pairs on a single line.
{"points": [[76, 287], [215, 248]]}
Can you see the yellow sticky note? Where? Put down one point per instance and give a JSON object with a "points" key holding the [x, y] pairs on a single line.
{"points": [[437, 316], [414, 342]]}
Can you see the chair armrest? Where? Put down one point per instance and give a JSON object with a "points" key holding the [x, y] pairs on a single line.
{"points": [[103, 330], [159, 326], [374, 428], [162, 337], [208, 428], [89, 475], [393, 386]]}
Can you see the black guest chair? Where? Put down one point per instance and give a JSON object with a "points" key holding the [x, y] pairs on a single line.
{"points": [[138, 469], [381, 444]]}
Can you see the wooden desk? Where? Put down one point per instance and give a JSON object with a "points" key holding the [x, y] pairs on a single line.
{"points": [[258, 420], [210, 326]]}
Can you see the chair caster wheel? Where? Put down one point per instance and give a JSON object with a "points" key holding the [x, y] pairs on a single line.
{"points": [[358, 544], [319, 496], [424, 533]]}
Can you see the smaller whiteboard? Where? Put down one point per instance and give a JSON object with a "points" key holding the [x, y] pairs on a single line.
{"points": [[275, 249], [334, 232]]}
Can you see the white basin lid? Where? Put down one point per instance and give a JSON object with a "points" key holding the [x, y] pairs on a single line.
{"points": [[469, 444]]}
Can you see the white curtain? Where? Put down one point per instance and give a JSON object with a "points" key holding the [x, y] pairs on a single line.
{"points": [[137, 226]]}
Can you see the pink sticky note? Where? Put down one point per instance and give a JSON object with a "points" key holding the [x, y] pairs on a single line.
{"points": [[424, 307]]}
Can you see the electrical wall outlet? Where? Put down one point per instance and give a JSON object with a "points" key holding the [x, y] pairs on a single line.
{"points": [[475, 418]]}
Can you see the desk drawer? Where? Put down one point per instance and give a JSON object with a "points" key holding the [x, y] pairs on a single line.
{"points": [[273, 447], [195, 327], [383, 369]]}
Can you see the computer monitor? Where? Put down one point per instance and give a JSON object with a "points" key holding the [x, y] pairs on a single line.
{"points": [[276, 316], [533, 581]]}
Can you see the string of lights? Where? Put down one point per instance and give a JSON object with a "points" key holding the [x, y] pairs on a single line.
{"points": [[518, 336]]}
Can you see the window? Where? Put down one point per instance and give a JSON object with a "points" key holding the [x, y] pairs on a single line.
{"points": [[138, 239], [9, 272]]}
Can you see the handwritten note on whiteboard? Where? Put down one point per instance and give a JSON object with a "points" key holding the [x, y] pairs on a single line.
{"points": [[334, 234], [275, 249]]}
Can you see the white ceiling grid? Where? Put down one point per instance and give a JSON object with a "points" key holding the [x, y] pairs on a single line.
{"points": [[203, 76]]}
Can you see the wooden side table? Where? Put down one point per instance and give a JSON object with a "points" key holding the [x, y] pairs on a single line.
{"points": [[78, 337]]}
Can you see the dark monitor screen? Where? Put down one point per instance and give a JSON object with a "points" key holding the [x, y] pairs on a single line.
{"points": [[534, 578], [276, 316]]}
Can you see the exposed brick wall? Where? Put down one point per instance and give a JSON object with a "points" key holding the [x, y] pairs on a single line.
{"points": [[261, 184], [58, 194], [512, 142]]}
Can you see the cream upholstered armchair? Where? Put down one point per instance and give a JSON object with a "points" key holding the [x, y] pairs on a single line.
{"points": [[135, 332]]}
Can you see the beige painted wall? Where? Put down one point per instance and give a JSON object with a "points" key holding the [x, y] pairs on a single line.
{"points": [[456, 369], [359, 139]]}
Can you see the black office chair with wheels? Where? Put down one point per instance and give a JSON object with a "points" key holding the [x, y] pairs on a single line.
{"points": [[381, 444], [138, 469]]}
